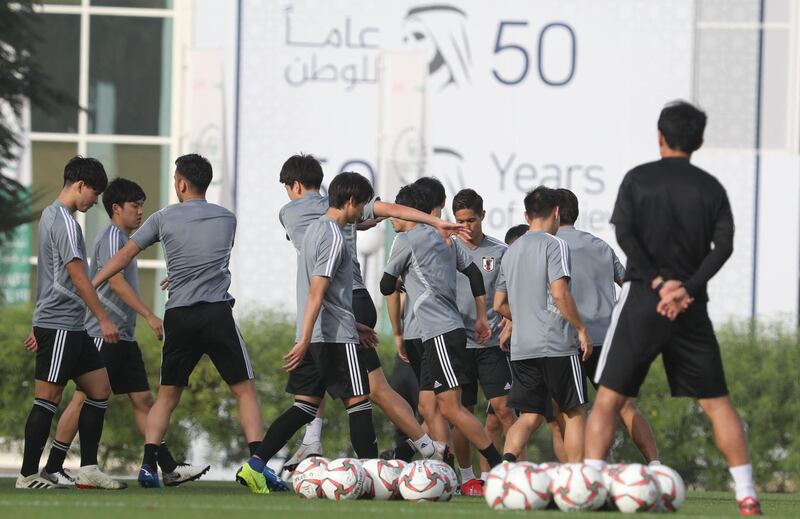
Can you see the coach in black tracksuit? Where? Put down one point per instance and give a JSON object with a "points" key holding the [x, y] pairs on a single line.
{"points": [[667, 216]]}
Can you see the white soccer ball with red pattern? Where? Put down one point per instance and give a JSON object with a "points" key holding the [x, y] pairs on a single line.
{"points": [[493, 486], [579, 487], [421, 481], [634, 488], [550, 468], [449, 476], [526, 487], [343, 479], [673, 489], [380, 479], [307, 477]]}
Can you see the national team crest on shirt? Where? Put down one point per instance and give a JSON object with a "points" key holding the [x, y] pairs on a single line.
{"points": [[487, 262]]}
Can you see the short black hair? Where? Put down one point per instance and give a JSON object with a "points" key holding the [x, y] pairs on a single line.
{"points": [[414, 197], [567, 206], [682, 125], [468, 199], [196, 169], [347, 185], [119, 191], [515, 232], [88, 170], [302, 168], [540, 202], [433, 190]]}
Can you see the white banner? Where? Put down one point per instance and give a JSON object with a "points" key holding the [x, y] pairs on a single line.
{"points": [[518, 94]]}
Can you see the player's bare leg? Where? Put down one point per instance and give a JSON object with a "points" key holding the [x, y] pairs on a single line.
{"points": [[574, 427], [600, 425], [249, 410], [639, 429], [450, 405], [517, 437], [434, 421]]}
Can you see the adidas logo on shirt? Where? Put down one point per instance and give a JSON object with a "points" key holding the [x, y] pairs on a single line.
{"points": [[508, 386], [436, 384]]}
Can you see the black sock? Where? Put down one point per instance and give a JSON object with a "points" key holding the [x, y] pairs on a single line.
{"points": [[404, 451], [491, 455], [55, 461], [165, 459], [253, 447], [150, 455], [90, 427], [284, 427], [509, 457], [362, 432], [37, 429]]}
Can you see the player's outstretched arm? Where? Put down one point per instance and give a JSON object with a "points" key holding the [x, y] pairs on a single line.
{"points": [[129, 296], [77, 274], [566, 305], [446, 229], [316, 292], [119, 261]]}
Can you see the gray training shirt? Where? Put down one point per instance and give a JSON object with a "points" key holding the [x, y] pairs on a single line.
{"points": [[595, 268], [58, 305], [324, 253], [197, 238], [530, 265], [298, 214], [429, 269], [108, 243], [487, 256]]}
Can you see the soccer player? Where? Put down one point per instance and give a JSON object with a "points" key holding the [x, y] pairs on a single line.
{"points": [[667, 216], [302, 177], [124, 202], [429, 268], [326, 357], [595, 269], [197, 238], [533, 291], [486, 363], [63, 349]]}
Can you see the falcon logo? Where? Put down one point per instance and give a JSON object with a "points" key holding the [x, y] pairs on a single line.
{"points": [[487, 262]]}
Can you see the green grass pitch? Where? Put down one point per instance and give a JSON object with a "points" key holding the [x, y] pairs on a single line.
{"points": [[220, 500]]}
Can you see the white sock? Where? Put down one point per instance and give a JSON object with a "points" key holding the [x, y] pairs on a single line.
{"points": [[425, 446], [595, 464], [654, 463], [743, 481], [484, 476], [313, 431], [467, 475]]}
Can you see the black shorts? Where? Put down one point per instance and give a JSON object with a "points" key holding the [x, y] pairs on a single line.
{"points": [[405, 382], [64, 355], [638, 334], [203, 328], [415, 352], [364, 308], [488, 367], [124, 364], [443, 364], [333, 367], [536, 381]]}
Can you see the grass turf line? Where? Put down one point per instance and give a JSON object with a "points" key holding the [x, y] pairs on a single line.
{"points": [[220, 500]]}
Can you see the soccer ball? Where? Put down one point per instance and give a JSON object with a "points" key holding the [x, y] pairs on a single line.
{"points": [[380, 479], [606, 472], [449, 476], [307, 477], [550, 468], [343, 479], [493, 487], [579, 487], [634, 488], [673, 489], [421, 481], [526, 487]]}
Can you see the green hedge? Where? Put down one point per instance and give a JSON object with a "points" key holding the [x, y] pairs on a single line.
{"points": [[762, 373]]}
